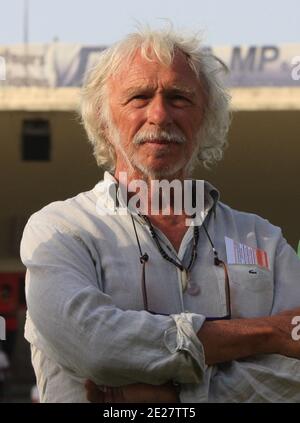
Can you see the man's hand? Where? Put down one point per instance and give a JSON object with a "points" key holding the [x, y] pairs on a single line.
{"points": [[226, 340], [282, 327], [134, 393]]}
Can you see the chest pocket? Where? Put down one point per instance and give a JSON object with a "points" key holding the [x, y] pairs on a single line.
{"points": [[251, 290]]}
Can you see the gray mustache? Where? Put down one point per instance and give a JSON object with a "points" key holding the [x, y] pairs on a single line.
{"points": [[168, 136]]}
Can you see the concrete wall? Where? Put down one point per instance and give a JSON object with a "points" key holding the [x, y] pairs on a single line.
{"points": [[259, 174]]}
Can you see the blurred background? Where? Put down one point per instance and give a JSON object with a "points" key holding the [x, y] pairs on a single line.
{"points": [[45, 49]]}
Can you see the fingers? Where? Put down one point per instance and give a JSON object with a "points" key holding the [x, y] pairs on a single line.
{"points": [[146, 393], [133, 393], [93, 393], [103, 394]]}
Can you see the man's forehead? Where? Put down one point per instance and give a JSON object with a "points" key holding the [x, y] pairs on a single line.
{"points": [[143, 73]]}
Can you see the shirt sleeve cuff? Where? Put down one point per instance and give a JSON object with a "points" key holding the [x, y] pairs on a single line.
{"points": [[183, 339]]}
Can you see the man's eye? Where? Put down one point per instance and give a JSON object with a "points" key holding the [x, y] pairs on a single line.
{"points": [[139, 100], [140, 97], [180, 100]]}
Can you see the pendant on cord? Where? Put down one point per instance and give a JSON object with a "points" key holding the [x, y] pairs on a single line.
{"points": [[185, 277], [187, 285], [193, 289]]}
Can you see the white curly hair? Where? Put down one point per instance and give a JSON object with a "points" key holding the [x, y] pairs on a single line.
{"points": [[162, 45]]}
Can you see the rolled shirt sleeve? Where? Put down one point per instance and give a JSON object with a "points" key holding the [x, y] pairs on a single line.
{"points": [[77, 325]]}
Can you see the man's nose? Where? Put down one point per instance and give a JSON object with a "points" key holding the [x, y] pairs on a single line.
{"points": [[159, 112]]}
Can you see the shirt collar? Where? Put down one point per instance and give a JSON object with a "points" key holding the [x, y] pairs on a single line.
{"points": [[211, 196]]}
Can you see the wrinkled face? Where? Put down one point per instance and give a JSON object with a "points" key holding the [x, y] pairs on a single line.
{"points": [[157, 112]]}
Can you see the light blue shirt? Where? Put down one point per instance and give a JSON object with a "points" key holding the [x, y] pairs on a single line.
{"points": [[85, 315]]}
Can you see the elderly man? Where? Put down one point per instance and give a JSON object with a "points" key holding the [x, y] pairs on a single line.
{"points": [[140, 306]]}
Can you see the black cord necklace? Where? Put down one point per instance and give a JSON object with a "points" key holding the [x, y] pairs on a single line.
{"points": [[185, 271], [166, 256]]}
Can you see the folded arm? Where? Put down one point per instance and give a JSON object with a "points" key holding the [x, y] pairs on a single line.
{"points": [[76, 325], [82, 330], [254, 359], [239, 338], [242, 371]]}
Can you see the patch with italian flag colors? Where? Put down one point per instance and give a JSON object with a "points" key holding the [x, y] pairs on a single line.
{"points": [[238, 253]]}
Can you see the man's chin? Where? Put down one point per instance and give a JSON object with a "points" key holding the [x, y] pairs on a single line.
{"points": [[159, 172]]}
